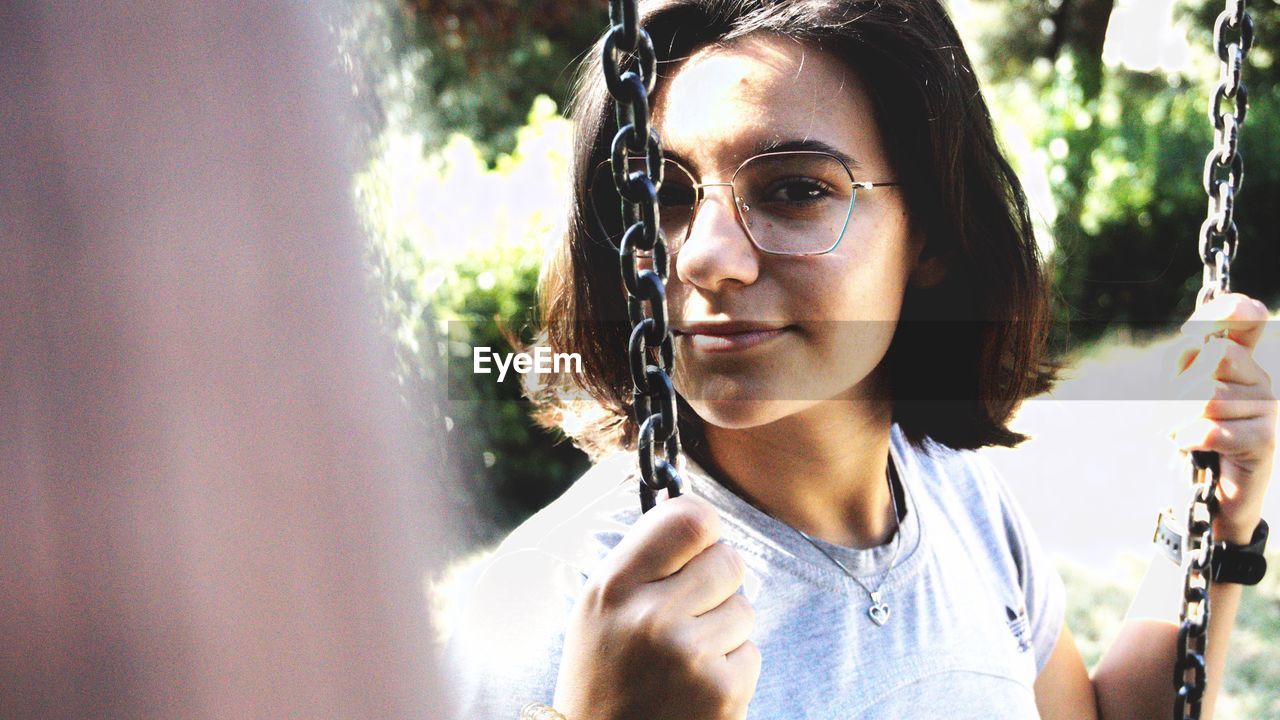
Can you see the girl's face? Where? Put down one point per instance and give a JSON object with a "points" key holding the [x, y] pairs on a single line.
{"points": [[836, 313]]}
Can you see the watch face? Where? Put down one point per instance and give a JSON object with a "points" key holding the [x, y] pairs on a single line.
{"points": [[1168, 538]]}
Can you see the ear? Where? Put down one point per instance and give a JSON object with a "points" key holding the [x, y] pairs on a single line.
{"points": [[930, 268], [928, 272]]}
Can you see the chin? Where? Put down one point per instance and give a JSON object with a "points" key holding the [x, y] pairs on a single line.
{"points": [[738, 413]]}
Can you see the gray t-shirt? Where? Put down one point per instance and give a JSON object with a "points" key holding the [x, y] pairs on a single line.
{"points": [[975, 603]]}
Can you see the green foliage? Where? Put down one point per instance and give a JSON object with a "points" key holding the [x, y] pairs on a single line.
{"points": [[456, 256], [1124, 164], [486, 60], [1254, 673], [1096, 606]]}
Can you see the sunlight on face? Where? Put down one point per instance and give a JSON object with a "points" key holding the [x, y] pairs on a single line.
{"points": [[825, 321]]}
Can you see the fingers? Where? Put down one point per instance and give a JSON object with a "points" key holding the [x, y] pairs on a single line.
{"points": [[1246, 439], [1240, 317], [1225, 360], [726, 627], [1236, 402], [703, 584], [743, 664], [664, 540]]}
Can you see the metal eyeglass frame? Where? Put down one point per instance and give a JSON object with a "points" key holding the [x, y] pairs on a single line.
{"points": [[738, 204]]}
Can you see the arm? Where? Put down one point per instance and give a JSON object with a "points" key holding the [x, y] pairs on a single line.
{"points": [[1134, 679], [1237, 419]]}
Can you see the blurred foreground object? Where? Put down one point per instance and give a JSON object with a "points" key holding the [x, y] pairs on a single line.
{"points": [[208, 505]]}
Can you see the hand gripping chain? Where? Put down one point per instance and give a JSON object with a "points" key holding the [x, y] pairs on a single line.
{"points": [[1223, 174], [646, 292]]}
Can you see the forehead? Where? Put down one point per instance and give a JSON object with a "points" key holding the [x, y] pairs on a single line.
{"points": [[722, 103]]}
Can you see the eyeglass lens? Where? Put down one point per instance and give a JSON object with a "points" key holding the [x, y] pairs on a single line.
{"points": [[790, 202]]}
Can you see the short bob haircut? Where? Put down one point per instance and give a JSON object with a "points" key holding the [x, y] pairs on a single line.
{"points": [[966, 352]]}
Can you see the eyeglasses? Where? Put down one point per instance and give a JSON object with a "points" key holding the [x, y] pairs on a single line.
{"points": [[796, 202]]}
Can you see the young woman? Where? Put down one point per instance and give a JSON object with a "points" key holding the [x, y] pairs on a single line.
{"points": [[858, 305]]}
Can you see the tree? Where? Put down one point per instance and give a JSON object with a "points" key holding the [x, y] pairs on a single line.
{"points": [[488, 59]]}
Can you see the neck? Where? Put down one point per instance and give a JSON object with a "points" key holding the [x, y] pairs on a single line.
{"points": [[822, 470]]}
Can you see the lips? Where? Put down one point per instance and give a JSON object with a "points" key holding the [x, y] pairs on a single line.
{"points": [[729, 336], [728, 327]]}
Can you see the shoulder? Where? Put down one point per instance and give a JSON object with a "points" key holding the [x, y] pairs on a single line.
{"points": [[974, 498], [963, 482], [983, 516]]}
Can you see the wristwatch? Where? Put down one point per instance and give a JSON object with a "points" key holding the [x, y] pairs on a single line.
{"points": [[1241, 564]]}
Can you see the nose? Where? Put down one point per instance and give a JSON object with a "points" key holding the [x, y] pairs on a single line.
{"points": [[717, 249]]}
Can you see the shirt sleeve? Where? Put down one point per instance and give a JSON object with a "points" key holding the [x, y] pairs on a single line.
{"points": [[505, 642], [1038, 578]]}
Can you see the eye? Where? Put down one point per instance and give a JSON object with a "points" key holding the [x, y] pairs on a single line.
{"points": [[674, 193], [797, 190]]}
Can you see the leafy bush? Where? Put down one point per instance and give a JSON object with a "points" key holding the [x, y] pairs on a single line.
{"points": [[458, 246]]}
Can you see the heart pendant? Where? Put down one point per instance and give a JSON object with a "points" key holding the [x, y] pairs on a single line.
{"points": [[878, 612]]}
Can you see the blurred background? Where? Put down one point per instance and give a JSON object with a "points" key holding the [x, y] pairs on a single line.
{"points": [[1101, 106]]}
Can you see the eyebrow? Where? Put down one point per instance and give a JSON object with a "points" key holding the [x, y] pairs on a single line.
{"points": [[778, 145], [806, 144]]}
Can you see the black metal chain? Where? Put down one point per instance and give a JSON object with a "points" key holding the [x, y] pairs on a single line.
{"points": [[628, 43], [1223, 174]]}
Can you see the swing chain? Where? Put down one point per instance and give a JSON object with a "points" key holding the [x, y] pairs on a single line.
{"points": [[626, 41], [1223, 175], [1193, 629], [1224, 165]]}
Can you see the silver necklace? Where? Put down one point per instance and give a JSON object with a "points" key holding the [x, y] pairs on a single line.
{"points": [[879, 609]]}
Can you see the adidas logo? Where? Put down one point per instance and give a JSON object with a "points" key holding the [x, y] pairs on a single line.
{"points": [[1019, 627]]}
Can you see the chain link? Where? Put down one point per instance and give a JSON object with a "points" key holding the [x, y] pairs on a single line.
{"points": [[1189, 671], [1223, 175], [627, 44], [1224, 165]]}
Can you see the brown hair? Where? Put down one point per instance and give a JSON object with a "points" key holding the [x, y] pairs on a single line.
{"points": [[966, 351]]}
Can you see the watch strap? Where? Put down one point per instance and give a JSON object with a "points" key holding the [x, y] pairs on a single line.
{"points": [[1241, 564]]}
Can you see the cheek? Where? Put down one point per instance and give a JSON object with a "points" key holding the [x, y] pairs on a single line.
{"points": [[868, 278], [856, 347], [867, 286]]}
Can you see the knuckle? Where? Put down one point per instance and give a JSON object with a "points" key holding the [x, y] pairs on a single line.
{"points": [[605, 591], [682, 648], [1220, 350], [1234, 350], [1211, 408], [741, 605], [752, 656], [729, 562], [695, 523], [650, 624], [1268, 441], [1212, 434]]}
